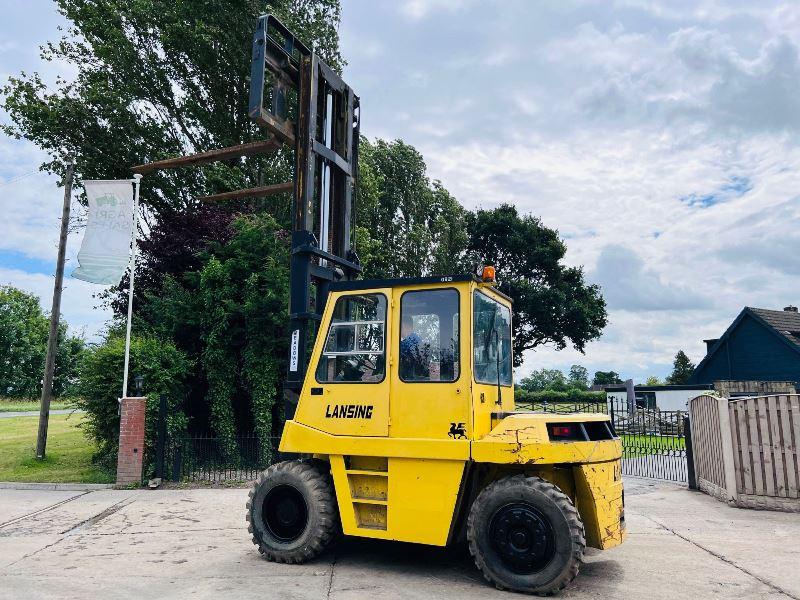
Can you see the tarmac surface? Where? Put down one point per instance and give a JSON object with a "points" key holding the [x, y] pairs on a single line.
{"points": [[184, 543], [35, 413]]}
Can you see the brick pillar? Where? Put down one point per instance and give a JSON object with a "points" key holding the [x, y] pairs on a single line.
{"points": [[131, 441]]}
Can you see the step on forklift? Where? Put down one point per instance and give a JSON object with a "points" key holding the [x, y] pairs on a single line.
{"points": [[399, 396]]}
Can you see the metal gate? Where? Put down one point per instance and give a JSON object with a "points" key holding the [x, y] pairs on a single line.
{"points": [[203, 458], [653, 446], [653, 440]]}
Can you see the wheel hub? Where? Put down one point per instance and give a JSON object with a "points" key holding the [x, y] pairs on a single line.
{"points": [[522, 537], [285, 513]]}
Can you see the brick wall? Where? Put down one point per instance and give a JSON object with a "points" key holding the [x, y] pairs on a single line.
{"points": [[131, 441]]}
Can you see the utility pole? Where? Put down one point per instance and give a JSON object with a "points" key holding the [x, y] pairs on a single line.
{"points": [[52, 340]]}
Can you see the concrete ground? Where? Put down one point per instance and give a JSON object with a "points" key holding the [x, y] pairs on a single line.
{"points": [[193, 543]]}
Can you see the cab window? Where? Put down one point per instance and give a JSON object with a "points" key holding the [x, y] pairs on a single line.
{"points": [[354, 349], [429, 322], [491, 340]]}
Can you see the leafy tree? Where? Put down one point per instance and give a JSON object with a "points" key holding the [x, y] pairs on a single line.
{"points": [[157, 79], [24, 330], [653, 380], [544, 379], [682, 369], [606, 378], [578, 377], [419, 225], [553, 304]]}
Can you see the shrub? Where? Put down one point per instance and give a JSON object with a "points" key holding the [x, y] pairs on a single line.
{"points": [[523, 396], [164, 369]]}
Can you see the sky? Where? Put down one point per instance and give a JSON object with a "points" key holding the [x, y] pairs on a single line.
{"points": [[661, 139]]}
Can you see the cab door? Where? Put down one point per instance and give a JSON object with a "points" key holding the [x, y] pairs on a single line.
{"points": [[492, 368], [430, 387], [346, 390]]}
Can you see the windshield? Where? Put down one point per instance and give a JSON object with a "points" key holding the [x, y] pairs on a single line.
{"points": [[491, 339]]}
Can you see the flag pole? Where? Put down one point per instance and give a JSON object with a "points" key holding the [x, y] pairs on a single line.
{"points": [[137, 179]]}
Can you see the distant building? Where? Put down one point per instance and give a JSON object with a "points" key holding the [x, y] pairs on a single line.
{"points": [[663, 397], [759, 346]]}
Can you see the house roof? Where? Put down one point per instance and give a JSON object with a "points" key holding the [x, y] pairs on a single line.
{"points": [[785, 322]]}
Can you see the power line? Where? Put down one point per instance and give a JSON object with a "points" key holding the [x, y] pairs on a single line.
{"points": [[18, 178]]}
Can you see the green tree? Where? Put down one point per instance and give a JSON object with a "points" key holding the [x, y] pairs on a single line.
{"points": [[417, 224], [682, 369], [606, 378], [653, 380], [578, 377], [553, 304], [544, 379], [24, 329], [155, 79]]}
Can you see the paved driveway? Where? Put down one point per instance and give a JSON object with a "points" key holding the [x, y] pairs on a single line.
{"points": [[193, 543], [35, 413]]}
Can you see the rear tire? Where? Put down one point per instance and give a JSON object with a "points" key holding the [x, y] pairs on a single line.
{"points": [[526, 535], [291, 511]]}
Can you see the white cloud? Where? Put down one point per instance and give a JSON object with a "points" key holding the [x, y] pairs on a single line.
{"points": [[694, 74], [419, 9], [629, 285]]}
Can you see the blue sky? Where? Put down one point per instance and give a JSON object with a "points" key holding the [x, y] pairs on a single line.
{"points": [[659, 138]]}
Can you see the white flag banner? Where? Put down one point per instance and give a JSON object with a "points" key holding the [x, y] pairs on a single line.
{"points": [[106, 249]]}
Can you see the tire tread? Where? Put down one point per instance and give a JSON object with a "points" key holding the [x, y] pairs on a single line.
{"points": [[315, 474], [561, 500]]}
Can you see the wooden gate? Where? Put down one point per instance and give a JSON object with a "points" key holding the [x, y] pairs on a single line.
{"points": [[746, 450], [765, 434]]}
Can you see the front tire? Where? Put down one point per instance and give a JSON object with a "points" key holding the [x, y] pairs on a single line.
{"points": [[291, 511], [526, 535]]}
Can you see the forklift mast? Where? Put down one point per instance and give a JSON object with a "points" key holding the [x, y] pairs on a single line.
{"points": [[303, 102]]}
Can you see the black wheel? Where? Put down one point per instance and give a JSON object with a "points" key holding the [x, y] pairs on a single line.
{"points": [[526, 535], [292, 512]]}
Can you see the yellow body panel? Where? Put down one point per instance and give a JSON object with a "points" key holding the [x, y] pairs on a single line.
{"points": [[412, 500], [306, 440], [398, 473], [522, 439], [598, 497]]}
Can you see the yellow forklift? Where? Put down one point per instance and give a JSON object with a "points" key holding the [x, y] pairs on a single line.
{"points": [[399, 398]]}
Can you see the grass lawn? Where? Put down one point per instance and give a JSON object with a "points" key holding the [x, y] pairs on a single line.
{"points": [[69, 453], [642, 445], [14, 405]]}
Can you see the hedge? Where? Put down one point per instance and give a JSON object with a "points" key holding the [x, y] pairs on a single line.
{"points": [[524, 396], [163, 368]]}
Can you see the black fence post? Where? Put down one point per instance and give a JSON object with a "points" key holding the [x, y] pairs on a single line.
{"points": [[611, 409], [161, 439], [687, 434], [177, 459]]}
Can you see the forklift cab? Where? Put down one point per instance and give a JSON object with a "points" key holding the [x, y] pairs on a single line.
{"points": [[412, 358]]}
